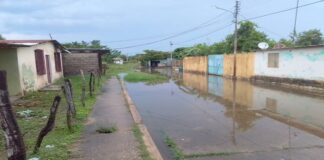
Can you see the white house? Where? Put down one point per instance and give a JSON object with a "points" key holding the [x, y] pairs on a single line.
{"points": [[118, 60], [30, 64], [301, 63]]}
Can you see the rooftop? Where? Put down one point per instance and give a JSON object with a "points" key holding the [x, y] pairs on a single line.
{"points": [[89, 50]]}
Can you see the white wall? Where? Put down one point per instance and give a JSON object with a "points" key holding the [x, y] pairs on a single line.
{"points": [[27, 66], [298, 63]]}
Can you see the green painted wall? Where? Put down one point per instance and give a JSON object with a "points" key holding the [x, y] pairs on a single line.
{"points": [[9, 63]]}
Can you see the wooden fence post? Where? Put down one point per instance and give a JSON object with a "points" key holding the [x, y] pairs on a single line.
{"points": [[83, 94], [71, 111], [50, 123], [91, 83], [14, 141], [99, 78]]}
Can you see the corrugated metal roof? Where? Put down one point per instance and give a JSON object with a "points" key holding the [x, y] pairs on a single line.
{"points": [[27, 43]]}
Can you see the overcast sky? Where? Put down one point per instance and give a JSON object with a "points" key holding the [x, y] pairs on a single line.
{"points": [[144, 21]]}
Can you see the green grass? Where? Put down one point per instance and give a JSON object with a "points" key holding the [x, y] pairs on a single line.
{"points": [[145, 77], [177, 153], [211, 154], [115, 69], [106, 130], [145, 155], [60, 136]]}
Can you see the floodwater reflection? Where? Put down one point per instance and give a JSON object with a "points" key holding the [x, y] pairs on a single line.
{"points": [[212, 114]]}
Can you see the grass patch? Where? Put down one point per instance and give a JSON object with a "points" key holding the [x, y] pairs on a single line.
{"points": [[106, 130], [61, 138], [145, 155], [145, 77], [177, 153], [211, 154], [115, 69]]}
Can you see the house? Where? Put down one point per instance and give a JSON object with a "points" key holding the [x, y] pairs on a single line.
{"points": [[291, 65], [118, 60], [86, 59], [30, 64]]}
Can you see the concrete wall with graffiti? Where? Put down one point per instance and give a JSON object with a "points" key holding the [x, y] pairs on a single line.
{"points": [[302, 63], [29, 79], [8, 62], [216, 64]]}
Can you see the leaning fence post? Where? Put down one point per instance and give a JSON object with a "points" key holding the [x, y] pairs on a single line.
{"points": [[14, 141], [91, 83], [71, 111], [83, 94], [50, 123]]}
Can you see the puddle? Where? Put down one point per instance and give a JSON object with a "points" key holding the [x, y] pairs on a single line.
{"points": [[202, 114]]}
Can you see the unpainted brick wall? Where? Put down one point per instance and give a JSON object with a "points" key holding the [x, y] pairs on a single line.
{"points": [[73, 63]]}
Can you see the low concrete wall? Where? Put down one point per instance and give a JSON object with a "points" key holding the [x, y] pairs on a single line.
{"points": [[197, 64]]}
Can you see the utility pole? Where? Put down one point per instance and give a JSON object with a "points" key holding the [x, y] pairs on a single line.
{"points": [[171, 44], [237, 8], [295, 25]]}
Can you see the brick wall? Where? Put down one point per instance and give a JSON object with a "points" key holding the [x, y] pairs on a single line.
{"points": [[74, 62]]}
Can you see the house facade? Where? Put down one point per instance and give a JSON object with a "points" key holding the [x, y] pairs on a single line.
{"points": [[30, 64], [303, 63]]}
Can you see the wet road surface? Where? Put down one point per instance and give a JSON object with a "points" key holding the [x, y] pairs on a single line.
{"points": [[210, 114]]}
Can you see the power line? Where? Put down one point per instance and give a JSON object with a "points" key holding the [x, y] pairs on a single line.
{"points": [[204, 35], [159, 36], [203, 25], [281, 11], [135, 39]]}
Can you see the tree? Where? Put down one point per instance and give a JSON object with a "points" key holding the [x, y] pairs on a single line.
{"points": [[1, 37], [248, 38], [84, 44], [310, 37], [286, 42]]}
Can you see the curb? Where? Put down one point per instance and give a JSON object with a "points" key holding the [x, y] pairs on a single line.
{"points": [[148, 141]]}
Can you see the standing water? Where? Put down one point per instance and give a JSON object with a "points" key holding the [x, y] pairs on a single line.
{"points": [[211, 117]]}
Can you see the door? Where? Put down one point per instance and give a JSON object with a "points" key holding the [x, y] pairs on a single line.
{"points": [[48, 69]]}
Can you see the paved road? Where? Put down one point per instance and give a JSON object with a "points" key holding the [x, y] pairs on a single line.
{"points": [[110, 108]]}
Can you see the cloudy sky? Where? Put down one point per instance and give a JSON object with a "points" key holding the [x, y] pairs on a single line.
{"points": [[124, 23]]}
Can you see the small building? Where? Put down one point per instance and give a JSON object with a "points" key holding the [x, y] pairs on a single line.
{"points": [[30, 64], [86, 59], [118, 60], [291, 65]]}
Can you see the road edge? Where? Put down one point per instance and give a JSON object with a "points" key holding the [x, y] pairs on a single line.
{"points": [[148, 140]]}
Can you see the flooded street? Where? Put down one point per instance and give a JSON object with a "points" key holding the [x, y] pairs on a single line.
{"points": [[234, 120]]}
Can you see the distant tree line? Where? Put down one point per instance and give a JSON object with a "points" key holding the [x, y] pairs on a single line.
{"points": [[248, 39]]}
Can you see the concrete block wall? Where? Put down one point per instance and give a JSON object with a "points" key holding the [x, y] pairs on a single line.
{"points": [[73, 63]]}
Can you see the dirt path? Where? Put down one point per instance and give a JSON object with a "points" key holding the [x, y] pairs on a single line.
{"points": [[109, 109]]}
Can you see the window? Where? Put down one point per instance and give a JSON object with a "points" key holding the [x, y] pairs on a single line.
{"points": [[40, 62], [58, 64], [273, 60]]}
